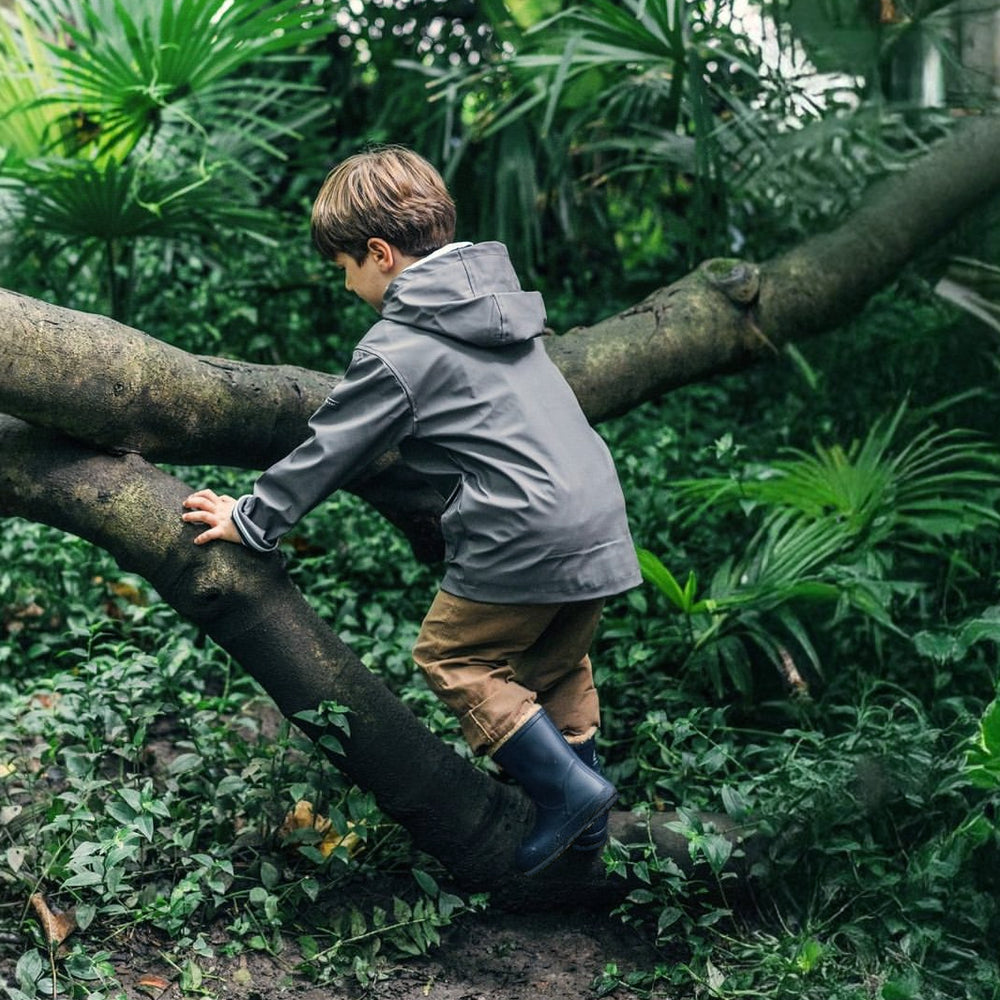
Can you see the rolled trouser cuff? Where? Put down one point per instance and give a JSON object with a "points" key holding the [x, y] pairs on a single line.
{"points": [[493, 747]]}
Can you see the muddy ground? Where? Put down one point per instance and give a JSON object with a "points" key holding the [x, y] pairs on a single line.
{"points": [[491, 956], [484, 956]]}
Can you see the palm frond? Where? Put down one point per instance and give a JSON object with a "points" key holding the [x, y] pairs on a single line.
{"points": [[31, 120], [127, 65], [79, 199], [828, 526], [868, 487]]}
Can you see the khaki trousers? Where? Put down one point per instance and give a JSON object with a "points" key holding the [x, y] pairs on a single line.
{"points": [[495, 665]]}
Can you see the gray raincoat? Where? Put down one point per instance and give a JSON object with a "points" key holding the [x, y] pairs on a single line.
{"points": [[456, 375]]}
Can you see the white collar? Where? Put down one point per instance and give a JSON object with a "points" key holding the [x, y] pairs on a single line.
{"points": [[447, 248]]}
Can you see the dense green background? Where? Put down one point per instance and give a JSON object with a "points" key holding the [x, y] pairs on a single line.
{"points": [[815, 650]]}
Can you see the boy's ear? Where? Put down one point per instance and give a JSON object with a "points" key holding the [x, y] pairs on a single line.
{"points": [[383, 254]]}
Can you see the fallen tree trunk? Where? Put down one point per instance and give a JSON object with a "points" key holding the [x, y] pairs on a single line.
{"points": [[248, 605], [92, 404], [117, 389]]}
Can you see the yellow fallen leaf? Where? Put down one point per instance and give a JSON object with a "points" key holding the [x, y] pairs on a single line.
{"points": [[242, 976], [127, 591], [303, 816], [55, 926], [6, 770]]}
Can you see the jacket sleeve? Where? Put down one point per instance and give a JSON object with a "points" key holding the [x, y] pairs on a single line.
{"points": [[366, 414]]}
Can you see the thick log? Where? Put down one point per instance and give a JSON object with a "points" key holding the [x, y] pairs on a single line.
{"points": [[246, 603], [729, 315], [115, 388]]}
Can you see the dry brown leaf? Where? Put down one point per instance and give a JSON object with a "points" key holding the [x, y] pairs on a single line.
{"points": [[888, 14], [10, 813], [154, 982], [30, 610], [790, 671], [55, 926], [153, 985], [304, 816], [14, 618]]}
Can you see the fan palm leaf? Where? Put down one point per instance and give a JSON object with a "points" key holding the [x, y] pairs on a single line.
{"points": [[126, 65], [868, 487], [115, 202], [172, 118]]}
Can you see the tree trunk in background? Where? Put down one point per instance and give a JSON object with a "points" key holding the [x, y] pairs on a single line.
{"points": [[93, 403], [977, 37]]}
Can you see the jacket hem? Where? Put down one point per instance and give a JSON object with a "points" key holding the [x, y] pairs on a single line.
{"points": [[527, 594]]}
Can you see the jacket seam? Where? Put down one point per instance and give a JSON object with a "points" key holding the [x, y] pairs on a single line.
{"points": [[400, 381]]}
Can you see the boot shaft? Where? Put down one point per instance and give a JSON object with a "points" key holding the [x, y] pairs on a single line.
{"points": [[567, 794]]}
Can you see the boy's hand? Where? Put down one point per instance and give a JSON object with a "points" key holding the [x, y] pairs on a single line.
{"points": [[208, 508]]}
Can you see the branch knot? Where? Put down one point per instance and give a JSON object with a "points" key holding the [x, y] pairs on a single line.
{"points": [[737, 279]]}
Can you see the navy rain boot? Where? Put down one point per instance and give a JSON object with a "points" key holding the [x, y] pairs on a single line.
{"points": [[595, 835], [567, 794]]}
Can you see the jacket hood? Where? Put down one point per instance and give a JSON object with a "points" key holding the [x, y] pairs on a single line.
{"points": [[469, 294]]}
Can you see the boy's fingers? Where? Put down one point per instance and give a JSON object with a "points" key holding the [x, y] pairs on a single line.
{"points": [[199, 515], [206, 500], [207, 536], [208, 507]]}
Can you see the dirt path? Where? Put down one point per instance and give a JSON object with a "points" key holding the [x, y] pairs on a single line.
{"points": [[492, 956]]}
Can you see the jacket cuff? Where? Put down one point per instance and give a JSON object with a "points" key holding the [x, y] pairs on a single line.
{"points": [[251, 535]]}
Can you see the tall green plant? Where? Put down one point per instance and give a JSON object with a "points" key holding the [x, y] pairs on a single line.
{"points": [[550, 105], [842, 529], [702, 128]]}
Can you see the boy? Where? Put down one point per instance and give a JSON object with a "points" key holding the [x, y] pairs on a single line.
{"points": [[455, 375]]}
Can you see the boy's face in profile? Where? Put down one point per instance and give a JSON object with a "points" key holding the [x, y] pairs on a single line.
{"points": [[369, 279], [366, 280]]}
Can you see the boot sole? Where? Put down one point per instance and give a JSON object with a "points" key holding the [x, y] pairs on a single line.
{"points": [[588, 847], [588, 817]]}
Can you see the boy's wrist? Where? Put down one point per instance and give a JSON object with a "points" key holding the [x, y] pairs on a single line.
{"points": [[248, 533]]}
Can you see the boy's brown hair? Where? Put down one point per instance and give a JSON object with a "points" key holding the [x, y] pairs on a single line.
{"points": [[388, 192]]}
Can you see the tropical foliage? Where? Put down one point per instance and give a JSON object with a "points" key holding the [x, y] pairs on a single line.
{"points": [[815, 651], [847, 529], [144, 122]]}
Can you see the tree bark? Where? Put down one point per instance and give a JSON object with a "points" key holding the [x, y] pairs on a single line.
{"points": [[92, 404], [729, 315], [118, 389]]}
